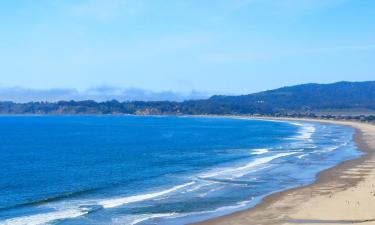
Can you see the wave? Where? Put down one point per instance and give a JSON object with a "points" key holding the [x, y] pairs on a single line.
{"points": [[237, 172], [49, 217], [259, 151], [55, 198], [133, 220], [141, 218], [301, 156], [331, 148], [231, 181], [199, 186], [45, 218], [305, 132], [296, 123], [111, 203], [261, 119]]}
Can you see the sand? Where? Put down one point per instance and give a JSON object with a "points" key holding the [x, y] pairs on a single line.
{"points": [[344, 194]]}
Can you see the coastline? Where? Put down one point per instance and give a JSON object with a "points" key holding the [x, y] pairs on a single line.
{"points": [[344, 194]]}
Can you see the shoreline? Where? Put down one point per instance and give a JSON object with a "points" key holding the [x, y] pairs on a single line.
{"points": [[343, 194]]}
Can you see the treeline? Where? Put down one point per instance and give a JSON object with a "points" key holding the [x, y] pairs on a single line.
{"points": [[362, 118], [136, 107], [87, 107]]}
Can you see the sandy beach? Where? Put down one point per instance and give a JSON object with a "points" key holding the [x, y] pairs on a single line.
{"points": [[344, 194]]}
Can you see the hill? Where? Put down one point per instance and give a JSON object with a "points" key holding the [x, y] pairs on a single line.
{"points": [[341, 96]]}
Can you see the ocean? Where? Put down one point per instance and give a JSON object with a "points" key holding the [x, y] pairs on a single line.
{"points": [[155, 169]]}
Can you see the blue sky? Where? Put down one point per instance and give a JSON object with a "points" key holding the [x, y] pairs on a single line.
{"points": [[210, 46]]}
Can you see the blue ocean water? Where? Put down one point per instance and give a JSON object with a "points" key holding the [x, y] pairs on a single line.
{"points": [[154, 170]]}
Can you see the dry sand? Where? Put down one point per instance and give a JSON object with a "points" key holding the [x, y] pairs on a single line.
{"points": [[344, 194]]}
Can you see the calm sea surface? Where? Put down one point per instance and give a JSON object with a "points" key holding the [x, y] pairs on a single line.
{"points": [[154, 170]]}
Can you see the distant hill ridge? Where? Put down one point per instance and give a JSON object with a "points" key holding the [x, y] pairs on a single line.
{"points": [[340, 95], [305, 98]]}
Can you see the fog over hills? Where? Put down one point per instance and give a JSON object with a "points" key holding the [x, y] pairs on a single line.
{"points": [[100, 93]]}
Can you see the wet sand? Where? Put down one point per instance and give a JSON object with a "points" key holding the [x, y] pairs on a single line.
{"points": [[344, 194]]}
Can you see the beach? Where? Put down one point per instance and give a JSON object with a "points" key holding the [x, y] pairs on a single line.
{"points": [[344, 194]]}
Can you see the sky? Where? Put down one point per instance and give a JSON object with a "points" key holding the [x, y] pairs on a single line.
{"points": [[181, 48]]}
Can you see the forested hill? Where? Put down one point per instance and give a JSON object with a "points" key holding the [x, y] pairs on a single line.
{"points": [[315, 97], [306, 98]]}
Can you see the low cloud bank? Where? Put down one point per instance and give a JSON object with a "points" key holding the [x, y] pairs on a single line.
{"points": [[102, 93]]}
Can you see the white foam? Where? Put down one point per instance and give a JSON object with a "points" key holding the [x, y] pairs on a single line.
{"points": [[137, 198], [331, 149], [259, 151], [44, 218], [231, 207], [202, 195], [301, 156], [243, 170], [305, 132], [262, 119], [140, 218], [199, 186], [133, 220], [296, 124]]}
